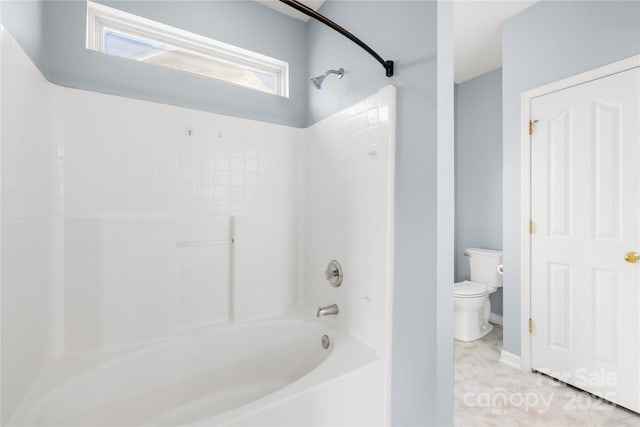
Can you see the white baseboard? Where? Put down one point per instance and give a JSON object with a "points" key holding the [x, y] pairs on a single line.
{"points": [[496, 319], [510, 359]]}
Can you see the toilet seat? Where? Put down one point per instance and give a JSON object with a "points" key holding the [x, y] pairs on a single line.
{"points": [[468, 289]]}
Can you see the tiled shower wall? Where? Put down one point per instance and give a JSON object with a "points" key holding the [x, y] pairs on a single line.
{"points": [[28, 224], [349, 170], [153, 196]]}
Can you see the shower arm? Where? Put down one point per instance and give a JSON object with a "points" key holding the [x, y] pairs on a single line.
{"points": [[339, 72], [388, 65]]}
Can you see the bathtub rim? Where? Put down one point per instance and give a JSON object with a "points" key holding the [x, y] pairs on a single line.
{"points": [[51, 383], [349, 357]]}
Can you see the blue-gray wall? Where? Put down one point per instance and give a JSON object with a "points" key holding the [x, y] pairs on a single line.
{"points": [[25, 22], [478, 163], [53, 34], [445, 220], [549, 41], [406, 32]]}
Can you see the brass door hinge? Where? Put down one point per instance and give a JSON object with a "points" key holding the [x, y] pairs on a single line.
{"points": [[530, 127], [530, 326], [530, 227]]}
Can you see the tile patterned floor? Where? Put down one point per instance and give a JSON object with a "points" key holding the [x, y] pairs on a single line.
{"points": [[490, 393]]}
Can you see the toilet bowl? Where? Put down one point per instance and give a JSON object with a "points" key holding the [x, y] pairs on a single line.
{"points": [[472, 307]]}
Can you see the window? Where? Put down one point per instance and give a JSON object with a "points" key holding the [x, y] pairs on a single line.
{"points": [[118, 33]]}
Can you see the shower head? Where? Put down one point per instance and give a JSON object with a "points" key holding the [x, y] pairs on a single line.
{"points": [[317, 81]]}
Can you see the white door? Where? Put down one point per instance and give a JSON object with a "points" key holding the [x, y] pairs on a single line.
{"points": [[585, 208]]}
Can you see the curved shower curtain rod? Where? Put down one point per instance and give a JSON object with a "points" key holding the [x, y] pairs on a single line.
{"points": [[388, 65]]}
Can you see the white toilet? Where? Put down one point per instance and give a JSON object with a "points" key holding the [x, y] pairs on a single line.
{"points": [[471, 298]]}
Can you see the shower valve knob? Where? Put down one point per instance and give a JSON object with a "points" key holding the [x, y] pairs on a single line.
{"points": [[333, 273]]}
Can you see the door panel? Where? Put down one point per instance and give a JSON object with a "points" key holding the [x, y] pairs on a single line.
{"points": [[585, 205], [560, 174], [607, 170], [560, 296], [605, 306]]}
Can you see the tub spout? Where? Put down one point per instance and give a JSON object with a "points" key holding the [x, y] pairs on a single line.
{"points": [[328, 310]]}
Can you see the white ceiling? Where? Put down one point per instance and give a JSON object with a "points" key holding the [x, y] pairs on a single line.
{"points": [[288, 10], [478, 34], [477, 31]]}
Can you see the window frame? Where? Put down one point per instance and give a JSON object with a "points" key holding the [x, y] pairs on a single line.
{"points": [[101, 17]]}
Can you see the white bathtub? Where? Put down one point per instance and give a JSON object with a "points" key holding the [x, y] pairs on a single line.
{"points": [[268, 372]]}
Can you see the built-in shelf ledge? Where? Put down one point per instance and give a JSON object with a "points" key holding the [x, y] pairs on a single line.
{"points": [[195, 243]]}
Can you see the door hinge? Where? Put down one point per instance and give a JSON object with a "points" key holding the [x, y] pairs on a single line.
{"points": [[530, 127], [530, 227], [530, 326]]}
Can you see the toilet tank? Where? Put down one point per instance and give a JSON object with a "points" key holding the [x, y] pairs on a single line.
{"points": [[483, 264]]}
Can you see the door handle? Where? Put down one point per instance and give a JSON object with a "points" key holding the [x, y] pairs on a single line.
{"points": [[632, 257]]}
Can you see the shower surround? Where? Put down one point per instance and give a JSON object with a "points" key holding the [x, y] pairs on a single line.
{"points": [[153, 197], [142, 232]]}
